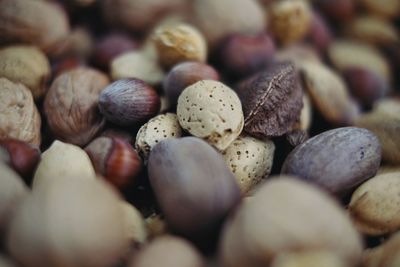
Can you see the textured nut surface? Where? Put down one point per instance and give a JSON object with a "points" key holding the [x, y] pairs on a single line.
{"points": [[19, 117], [179, 42], [134, 222], [287, 215], [155, 130], [211, 110], [63, 160], [26, 65], [250, 160], [375, 204], [309, 259]]}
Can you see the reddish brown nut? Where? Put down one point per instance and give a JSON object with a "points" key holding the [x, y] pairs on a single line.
{"points": [[185, 74], [66, 64], [129, 102], [115, 159], [241, 54], [23, 157], [320, 34], [337, 10]]}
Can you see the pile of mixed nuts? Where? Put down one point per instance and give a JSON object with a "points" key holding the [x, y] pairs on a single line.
{"points": [[194, 133]]}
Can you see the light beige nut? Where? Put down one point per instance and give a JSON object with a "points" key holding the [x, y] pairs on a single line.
{"points": [[384, 255], [250, 160], [290, 20], [27, 65], [178, 42], [346, 54], [384, 8], [211, 110], [306, 114], [62, 160], [138, 65], [156, 225], [134, 223], [309, 259], [158, 128], [374, 206], [19, 117]]}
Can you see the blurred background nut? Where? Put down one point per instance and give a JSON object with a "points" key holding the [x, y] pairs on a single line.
{"points": [[250, 160], [6, 262], [290, 20], [71, 106], [94, 235], [115, 160], [40, 23], [212, 111], [286, 215], [297, 54], [155, 130], [309, 259], [384, 8], [27, 65], [19, 117], [179, 42], [79, 43], [320, 34], [337, 11], [135, 225], [374, 205], [156, 225], [127, 102], [384, 255], [60, 161]]}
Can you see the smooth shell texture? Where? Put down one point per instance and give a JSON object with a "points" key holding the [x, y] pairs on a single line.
{"points": [[19, 117], [309, 259], [286, 215], [194, 187], [71, 108], [337, 160], [155, 130], [179, 42], [27, 65], [62, 160], [212, 111], [250, 160], [69, 222], [135, 225], [374, 206]]}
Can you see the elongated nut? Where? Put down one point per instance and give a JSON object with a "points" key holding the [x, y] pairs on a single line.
{"points": [[135, 225]]}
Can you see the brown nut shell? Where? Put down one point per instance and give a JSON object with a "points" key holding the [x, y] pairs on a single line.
{"points": [[384, 8]]}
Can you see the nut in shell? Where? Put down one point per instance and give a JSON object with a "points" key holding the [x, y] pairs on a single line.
{"points": [[212, 111], [135, 225], [386, 254], [309, 259]]}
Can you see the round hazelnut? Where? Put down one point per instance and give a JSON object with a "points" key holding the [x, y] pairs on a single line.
{"points": [[40, 23], [128, 102], [184, 74], [134, 222], [19, 117], [71, 105], [27, 65], [60, 161], [155, 130], [290, 20], [115, 160], [212, 111], [250, 160], [309, 259], [179, 42]]}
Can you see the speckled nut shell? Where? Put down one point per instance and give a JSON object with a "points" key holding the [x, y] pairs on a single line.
{"points": [[250, 160], [155, 130], [211, 110], [179, 42]]}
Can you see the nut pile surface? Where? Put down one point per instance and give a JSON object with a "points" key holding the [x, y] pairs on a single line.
{"points": [[200, 133]]}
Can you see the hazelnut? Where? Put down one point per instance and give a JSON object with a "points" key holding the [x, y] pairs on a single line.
{"points": [[27, 65], [286, 215], [184, 74], [40, 23], [384, 8], [290, 20], [179, 42], [24, 157], [128, 102], [211, 110], [134, 222], [155, 130], [250, 160], [71, 106], [219, 19], [115, 160], [19, 117], [60, 161], [309, 259], [93, 235]]}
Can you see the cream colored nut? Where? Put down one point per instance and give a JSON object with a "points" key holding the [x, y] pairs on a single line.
{"points": [[250, 160], [179, 42], [27, 65], [309, 259], [211, 110], [306, 113], [156, 225], [19, 117], [138, 65], [134, 223], [158, 128], [374, 206], [62, 160], [290, 20]]}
